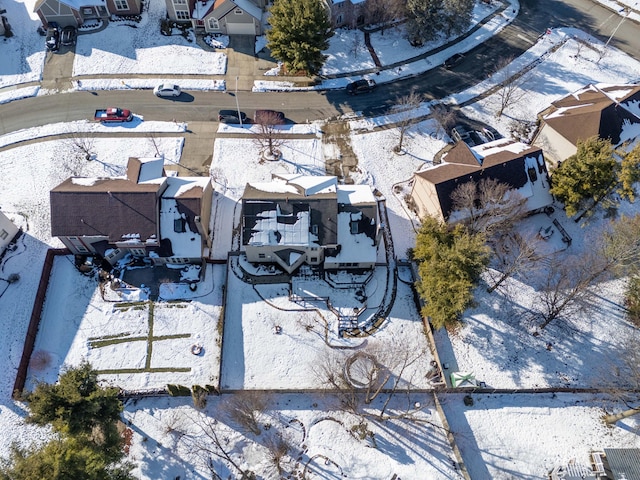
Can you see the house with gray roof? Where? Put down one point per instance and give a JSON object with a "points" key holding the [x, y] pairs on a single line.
{"points": [[516, 164], [226, 17], [144, 214], [298, 219], [605, 111], [77, 12]]}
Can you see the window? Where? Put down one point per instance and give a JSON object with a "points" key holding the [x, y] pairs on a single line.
{"points": [[214, 24], [261, 255], [179, 2], [339, 19], [238, 11], [182, 15], [179, 225], [533, 176], [314, 259], [121, 4], [314, 229], [4, 234]]}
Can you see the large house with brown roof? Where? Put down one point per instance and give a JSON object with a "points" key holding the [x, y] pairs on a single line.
{"points": [[520, 166], [298, 219], [606, 111], [227, 17], [77, 12], [145, 214]]}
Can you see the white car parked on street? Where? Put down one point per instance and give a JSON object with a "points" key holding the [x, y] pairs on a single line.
{"points": [[167, 90]]}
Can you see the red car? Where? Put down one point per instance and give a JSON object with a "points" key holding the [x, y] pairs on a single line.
{"points": [[113, 114]]}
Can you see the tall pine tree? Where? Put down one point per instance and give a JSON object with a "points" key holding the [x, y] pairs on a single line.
{"points": [[300, 32], [450, 261]]}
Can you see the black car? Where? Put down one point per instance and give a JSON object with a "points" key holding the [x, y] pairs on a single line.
{"points": [[268, 117], [52, 41], [453, 60], [231, 116], [361, 86], [68, 36]]}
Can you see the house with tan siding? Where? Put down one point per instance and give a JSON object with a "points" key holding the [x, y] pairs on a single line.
{"points": [[605, 111], [519, 165]]}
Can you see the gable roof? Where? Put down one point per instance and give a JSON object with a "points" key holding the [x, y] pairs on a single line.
{"points": [[504, 160], [113, 207], [595, 110]]}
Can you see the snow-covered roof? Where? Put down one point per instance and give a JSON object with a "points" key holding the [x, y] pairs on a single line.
{"points": [[271, 228], [184, 244], [355, 195], [309, 184], [355, 247]]}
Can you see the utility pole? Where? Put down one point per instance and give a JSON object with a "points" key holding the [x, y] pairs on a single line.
{"points": [[626, 14]]}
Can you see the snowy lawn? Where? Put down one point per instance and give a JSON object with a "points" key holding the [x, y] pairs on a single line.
{"points": [[135, 345], [145, 51], [525, 436], [23, 54], [324, 441]]}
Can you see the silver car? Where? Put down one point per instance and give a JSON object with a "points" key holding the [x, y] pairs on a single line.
{"points": [[167, 90]]}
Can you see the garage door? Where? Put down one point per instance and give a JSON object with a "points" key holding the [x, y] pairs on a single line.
{"points": [[241, 29]]}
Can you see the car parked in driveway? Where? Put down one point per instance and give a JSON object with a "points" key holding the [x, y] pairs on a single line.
{"points": [[52, 40], [361, 86], [68, 36], [453, 60], [167, 90], [268, 117], [232, 117]]}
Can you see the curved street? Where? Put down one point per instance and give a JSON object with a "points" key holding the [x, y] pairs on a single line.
{"points": [[201, 106]]}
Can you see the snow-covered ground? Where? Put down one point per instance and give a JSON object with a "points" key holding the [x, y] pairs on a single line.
{"points": [[500, 436]]}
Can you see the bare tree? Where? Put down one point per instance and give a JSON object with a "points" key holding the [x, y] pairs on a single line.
{"points": [[445, 117], [513, 253], [204, 437], [487, 206], [383, 12], [615, 250], [268, 136], [625, 381], [277, 450], [406, 106], [361, 377], [356, 46], [82, 144], [510, 82], [245, 409]]}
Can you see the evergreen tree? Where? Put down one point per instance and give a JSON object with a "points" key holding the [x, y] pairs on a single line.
{"points": [[629, 174], [88, 445], [425, 19], [588, 176], [457, 15], [76, 404], [450, 263], [300, 32], [65, 458]]}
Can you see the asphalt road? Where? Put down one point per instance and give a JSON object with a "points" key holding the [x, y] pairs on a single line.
{"points": [[535, 16]]}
